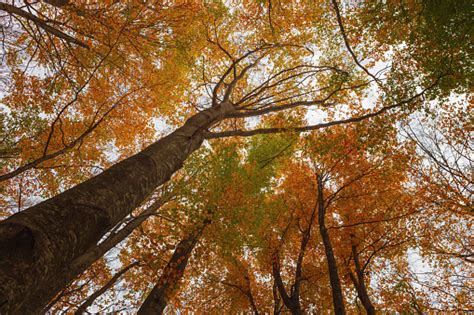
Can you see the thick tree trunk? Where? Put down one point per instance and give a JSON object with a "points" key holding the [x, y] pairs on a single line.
{"points": [[359, 283], [156, 301], [79, 265], [90, 300], [337, 296], [38, 244]]}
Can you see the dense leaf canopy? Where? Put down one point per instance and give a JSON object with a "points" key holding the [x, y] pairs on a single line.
{"points": [[339, 162]]}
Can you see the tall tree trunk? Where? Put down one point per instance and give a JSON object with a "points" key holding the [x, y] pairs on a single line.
{"points": [[90, 300], [38, 244], [359, 283], [337, 296], [80, 264], [157, 300]]}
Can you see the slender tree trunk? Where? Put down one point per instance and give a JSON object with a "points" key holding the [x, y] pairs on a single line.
{"points": [[291, 302], [248, 293], [295, 294], [79, 265], [276, 300], [157, 300], [90, 300], [38, 244], [253, 304], [337, 296], [359, 283], [363, 295]]}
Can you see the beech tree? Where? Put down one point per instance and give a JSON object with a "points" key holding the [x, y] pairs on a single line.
{"points": [[86, 86]]}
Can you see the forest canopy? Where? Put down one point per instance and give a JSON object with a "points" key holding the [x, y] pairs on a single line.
{"points": [[240, 156]]}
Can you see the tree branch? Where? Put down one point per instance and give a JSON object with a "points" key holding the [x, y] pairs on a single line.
{"points": [[12, 10], [248, 133]]}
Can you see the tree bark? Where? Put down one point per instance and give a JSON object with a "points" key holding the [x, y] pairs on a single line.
{"points": [[90, 300], [359, 283], [337, 296], [157, 300], [38, 244], [79, 265]]}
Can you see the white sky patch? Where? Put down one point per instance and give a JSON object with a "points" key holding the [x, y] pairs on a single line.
{"points": [[371, 99], [4, 108], [337, 218], [252, 122], [111, 152], [161, 127], [315, 116], [417, 264]]}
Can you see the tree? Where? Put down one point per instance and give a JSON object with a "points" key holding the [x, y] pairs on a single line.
{"points": [[234, 182], [274, 79], [337, 159], [365, 178], [372, 217], [337, 295], [81, 263], [74, 93]]}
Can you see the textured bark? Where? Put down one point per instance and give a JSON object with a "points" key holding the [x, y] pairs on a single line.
{"points": [[337, 296], [359, 283], [38, 244], [79, 265], [156, 301], [90, 300]]}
